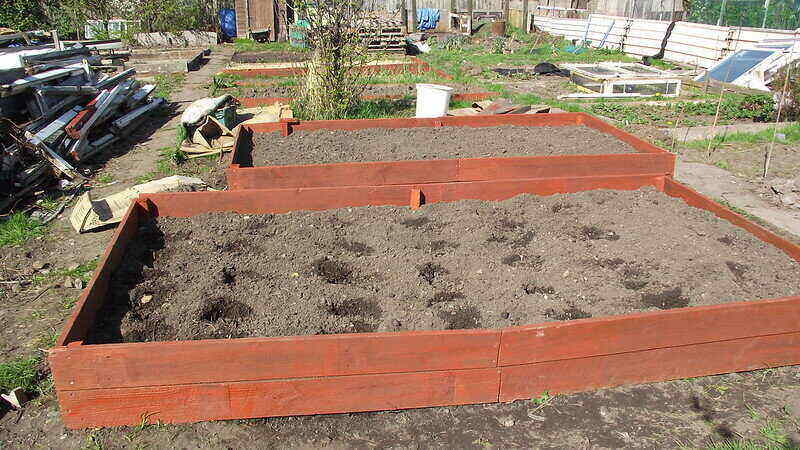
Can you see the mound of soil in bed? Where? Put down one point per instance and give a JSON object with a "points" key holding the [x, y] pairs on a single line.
{"points": [[376, 144], [457, 265]]}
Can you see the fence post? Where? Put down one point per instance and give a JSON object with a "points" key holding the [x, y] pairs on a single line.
{"points": [[414, 20], [453, 13], [470, 8], [506, 7], [525, 16], [404, 16]]}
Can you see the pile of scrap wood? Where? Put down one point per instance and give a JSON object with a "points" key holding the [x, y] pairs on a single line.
{"points": [[58, 111], [498, 106]]}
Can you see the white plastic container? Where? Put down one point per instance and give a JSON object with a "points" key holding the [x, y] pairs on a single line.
{"points": [[433, 100]]}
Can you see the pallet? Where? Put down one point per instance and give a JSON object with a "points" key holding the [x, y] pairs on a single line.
{"points": [[188, 381], [650, 160]]}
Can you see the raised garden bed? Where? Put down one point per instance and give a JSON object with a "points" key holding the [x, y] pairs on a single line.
{"points": [[460, 265], [406, 65], [270, 57], [249, 102], [184, 381], [372, 90], [585, 146]]}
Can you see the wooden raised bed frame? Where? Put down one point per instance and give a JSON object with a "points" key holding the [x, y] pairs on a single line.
{"points": [[647, 160], [249, 102], [414, 65], [187, 381]]}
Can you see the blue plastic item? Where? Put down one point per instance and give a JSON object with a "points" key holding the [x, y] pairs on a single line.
{"points": [[227, 22], [427, 18]]}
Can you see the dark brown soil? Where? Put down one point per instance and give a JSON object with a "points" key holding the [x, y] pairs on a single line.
{"points": [[375, 144], [466, 264], [269, 57], [275, 90]]}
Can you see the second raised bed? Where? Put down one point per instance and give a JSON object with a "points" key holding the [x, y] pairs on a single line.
{"points": [[629, 156]]}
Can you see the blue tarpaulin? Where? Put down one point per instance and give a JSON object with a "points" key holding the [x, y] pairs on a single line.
{"points": [[227, 22], [427, 18]]}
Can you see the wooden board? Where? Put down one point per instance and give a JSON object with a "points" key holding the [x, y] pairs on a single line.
{"points": [[343, 174], [452, 170], [661, 364], [93, 296], [205, 361], [214, 401], [636, 332], [185, 204]]}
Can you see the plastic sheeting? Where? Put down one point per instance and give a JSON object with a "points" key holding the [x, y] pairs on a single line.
{"points": [[427, 18]]}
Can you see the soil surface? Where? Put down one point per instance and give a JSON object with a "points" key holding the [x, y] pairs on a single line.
{"points": [[375, 144], [269, 57], [276, 90], [467, 264]]}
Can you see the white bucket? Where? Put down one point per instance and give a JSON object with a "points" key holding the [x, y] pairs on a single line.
{"points": [[433, 100]]}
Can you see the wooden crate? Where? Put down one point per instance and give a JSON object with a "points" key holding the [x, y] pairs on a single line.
{"points": [[187, 381], [648, 160]]}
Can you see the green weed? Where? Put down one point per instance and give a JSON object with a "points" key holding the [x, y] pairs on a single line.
{"points": [[543, 399], [105, 178], [167, 84], [19, 228], [20, 372], [83, 271]]}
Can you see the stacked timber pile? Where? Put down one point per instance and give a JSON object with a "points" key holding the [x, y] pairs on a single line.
{"points": [[384, 35], [58, 111]]}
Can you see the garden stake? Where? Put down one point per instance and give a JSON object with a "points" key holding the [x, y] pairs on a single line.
{"points": [[768, 157]]}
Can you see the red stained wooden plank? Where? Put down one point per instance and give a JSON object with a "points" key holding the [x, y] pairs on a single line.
{"points": [[185, 204], [694, 198], [475, 169], [133, 365], [439, 171], [343, 174], [94, 294], [635, 332], [409, 67], [249, 102], [635, 142], [583, 374], [192, 403]]}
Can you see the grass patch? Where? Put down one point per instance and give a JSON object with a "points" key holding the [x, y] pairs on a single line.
{"points": [[167, 84], [791, 134], [19, 228]]}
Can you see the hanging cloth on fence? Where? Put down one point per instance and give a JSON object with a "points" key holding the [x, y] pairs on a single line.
{"points": [[427, 18]]}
